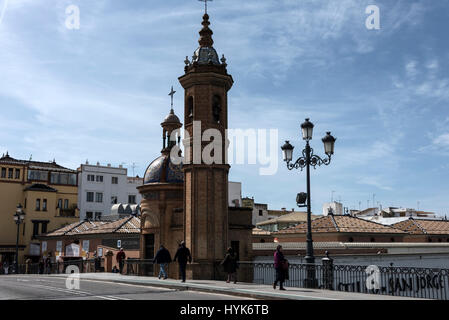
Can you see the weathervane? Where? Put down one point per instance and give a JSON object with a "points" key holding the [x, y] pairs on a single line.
{"points": [[205, 4], [172, 92]]}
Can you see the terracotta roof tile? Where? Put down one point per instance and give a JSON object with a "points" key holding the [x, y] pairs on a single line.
{"points": [[420, 226], [125, 225], [343, 224]]}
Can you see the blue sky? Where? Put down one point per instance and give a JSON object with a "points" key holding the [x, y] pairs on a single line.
{"points": [[100, 92]]}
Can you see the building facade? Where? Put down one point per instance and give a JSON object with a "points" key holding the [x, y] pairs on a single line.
{"points": [[85, 239], [48, 193], [101, 187]]}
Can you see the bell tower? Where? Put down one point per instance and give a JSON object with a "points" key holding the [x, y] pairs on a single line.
{"points": [[206, 83]]}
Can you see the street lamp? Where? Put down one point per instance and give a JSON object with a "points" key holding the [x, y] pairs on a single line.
{"points": [[309, 159], [19, 216]]}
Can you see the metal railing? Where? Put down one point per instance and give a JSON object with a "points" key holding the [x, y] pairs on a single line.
{"points": [[84, 266], [427, 283]]}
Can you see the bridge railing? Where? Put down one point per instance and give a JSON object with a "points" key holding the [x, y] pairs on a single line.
{"points": [[426, 283]]}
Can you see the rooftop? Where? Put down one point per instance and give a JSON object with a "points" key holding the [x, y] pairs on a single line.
{"points": [[423, 226], [342, 224], [53, 166], [130, 224], [293, 217]]}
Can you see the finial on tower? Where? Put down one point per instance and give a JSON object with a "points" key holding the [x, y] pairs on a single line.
{"points": [[172, 93], [206, 33], [205, 5]]}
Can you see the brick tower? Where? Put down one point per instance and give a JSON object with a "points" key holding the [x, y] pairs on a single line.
{"points": [[206, 83]]}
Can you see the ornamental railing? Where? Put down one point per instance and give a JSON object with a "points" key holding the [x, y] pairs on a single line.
{"points": [[426, 283]]}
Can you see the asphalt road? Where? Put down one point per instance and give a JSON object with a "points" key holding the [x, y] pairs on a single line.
{"points": [[36, 287]]}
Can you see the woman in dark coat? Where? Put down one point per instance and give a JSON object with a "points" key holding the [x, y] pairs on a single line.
{"points": [[279, 266], [230, 265]]}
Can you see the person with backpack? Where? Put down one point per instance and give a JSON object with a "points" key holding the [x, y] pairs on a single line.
{"points": [[230, 265], [162, 258], [183, 255]]}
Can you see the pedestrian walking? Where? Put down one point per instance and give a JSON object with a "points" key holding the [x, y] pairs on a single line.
{"points": [[163, 258], [281, 267], [230, 265], [48, 264], [97, 262], [41, 266], [183, 255], [121, 259], [6, 267]]}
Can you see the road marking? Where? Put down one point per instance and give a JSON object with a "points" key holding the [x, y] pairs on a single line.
{"points": [[78, 292]]}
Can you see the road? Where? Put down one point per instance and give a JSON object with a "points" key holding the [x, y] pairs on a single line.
{"points": [[34, 287]]}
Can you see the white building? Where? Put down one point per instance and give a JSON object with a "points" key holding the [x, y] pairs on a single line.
{"points": [[337, 208], [235, 194], [100, 187]]}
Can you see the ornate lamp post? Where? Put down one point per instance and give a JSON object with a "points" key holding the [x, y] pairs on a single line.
{"points": [[309, 159], [19, 216]]}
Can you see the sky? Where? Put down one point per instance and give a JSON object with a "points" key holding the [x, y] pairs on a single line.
{"points": [[100, 92]]}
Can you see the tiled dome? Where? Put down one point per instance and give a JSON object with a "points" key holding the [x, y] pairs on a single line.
{"points": [[163, 170]]}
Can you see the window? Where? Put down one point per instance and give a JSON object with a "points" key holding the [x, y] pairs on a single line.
{"points": [[89, 215], [99, 178], [44, 227], [260, 213], [59, 204], [114, 180], [373, 240], [17, 173], [190, 107], [90, 197], [90, 177], [3, 173], [10, 173], [99, 197], [66, 203], [38, 204], [44, 205], [98, 215], [63, 178], [35, 229], [132, 199], [37, 175], [114, 200], [216, 108]]}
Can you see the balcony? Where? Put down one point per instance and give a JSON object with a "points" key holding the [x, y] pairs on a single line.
{"points": [[71, 212]]}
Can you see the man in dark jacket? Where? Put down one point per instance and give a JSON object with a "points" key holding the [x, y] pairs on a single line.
{"points": [[183, 255], [121, 259], [162, 258]]}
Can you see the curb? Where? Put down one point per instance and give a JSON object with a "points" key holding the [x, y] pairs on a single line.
{"points": [[187, 287]]}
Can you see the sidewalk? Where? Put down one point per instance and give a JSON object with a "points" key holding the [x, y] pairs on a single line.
{"points": [[256, 291]]}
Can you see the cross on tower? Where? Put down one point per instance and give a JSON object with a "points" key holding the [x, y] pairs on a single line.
{"points": [[172, 93], [205, 4]]}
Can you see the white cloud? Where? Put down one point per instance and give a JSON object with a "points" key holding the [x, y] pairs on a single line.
{"points": [[442, 140], [410, 69]]}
